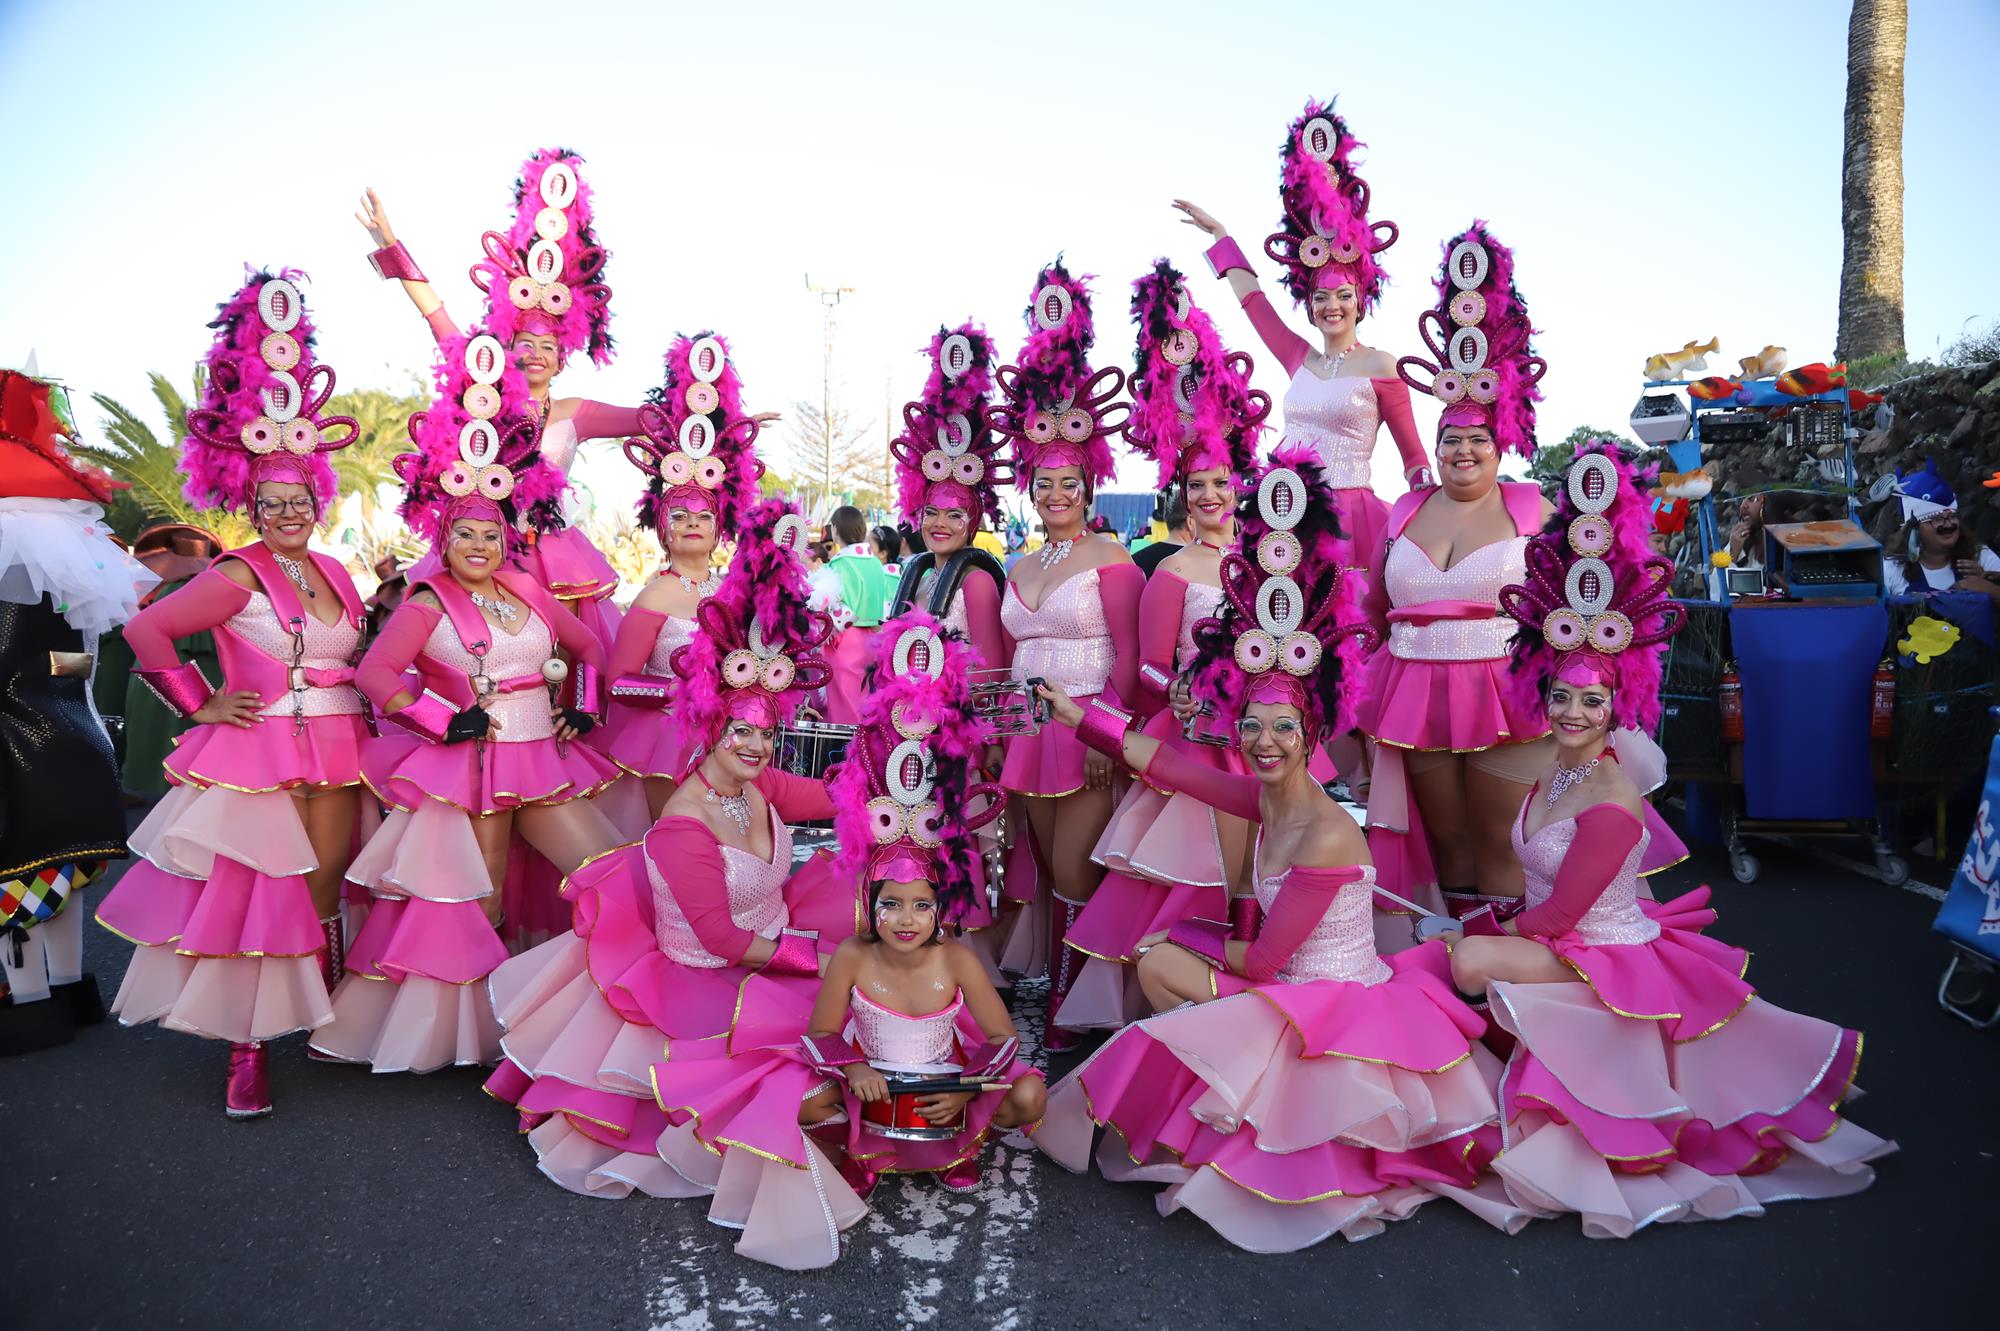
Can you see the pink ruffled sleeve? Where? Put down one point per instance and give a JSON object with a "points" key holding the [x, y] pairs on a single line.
{"points": [[981, 598], [1392, 398], [1160, 608], [1119, 587], [1302, 903], [1230, 792], [1290, 349], [690, 863], [1605, 835], [638, 632], [595, 420], [394, 651], [796, 798], [208, 599]]}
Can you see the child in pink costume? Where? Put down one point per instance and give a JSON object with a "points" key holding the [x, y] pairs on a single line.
{"points": [[1168, 856], [1303, 1086], [1662, 1087], [235, 907]]}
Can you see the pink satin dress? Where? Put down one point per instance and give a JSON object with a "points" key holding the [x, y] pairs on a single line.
{"points": [[1067, 642], [1340, 418]]}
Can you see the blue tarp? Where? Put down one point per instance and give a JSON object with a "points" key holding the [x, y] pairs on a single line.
{"points": [[1806, 673], [1128, 514], [1971, 912]]}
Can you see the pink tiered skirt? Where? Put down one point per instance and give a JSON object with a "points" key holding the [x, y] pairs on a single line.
{"points": [[272, 755], [1663, 1089], [648, 742], [477, 778], [1460, 706], [580, 577], [1283, 1114]]}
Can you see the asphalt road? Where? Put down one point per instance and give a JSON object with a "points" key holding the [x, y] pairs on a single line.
{"points": [[369, 1201]]}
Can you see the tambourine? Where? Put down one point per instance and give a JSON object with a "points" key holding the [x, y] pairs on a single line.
{"points": [[1202, 727], [1007, 705]]}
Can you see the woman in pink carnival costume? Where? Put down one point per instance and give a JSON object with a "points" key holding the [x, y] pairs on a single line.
{"points": [[236, 906], [1071, 609], [667, 930], [1295, 1083], [901, 997], [698, 455], [1456, 748], [1169, 856], [478, 759], [1661, 1087]]}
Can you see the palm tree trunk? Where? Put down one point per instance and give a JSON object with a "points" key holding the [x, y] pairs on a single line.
{"points": [[1871, 186]]}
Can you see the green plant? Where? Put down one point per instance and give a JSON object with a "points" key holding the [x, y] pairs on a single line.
{"points": [[150, 465]]}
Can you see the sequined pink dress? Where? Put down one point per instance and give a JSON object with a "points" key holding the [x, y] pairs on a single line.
{"points": [[1332, 1092], [217, 905], [1080, 640], [1662, 1088]]}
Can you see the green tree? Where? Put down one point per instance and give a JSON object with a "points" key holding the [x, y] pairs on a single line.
{"points": [[382, 430], [1551, 463], [134, 453]]}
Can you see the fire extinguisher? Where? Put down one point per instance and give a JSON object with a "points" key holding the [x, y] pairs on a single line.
{"points": [[1882, 701], [1729, 701]]}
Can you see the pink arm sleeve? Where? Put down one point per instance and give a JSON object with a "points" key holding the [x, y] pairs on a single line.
{"points": [[1605, 835], [595, 420], [637, 634], [1160, 608], [981, 596], [690, 863], [577, 637], [1392, 396], [1302, 903], [380, 674], [796, 798], [208, 599], [1290, 349], [441, 325], [1231, 792], [1118, 589]]}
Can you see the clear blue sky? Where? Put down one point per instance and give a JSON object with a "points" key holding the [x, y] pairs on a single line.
{"points": [[1662, 172]]}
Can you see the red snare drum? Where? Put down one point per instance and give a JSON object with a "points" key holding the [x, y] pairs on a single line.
{"points": [[896, 1117]]}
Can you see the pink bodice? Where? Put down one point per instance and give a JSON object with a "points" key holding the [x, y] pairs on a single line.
{"points": [[1066, 641], [559, 445], [1615, 916], [327, 647], [1202, 603], [1337, 417], [1412, 580], [902, 1043], [675, 633], [756, 890], [1342, 945], [524, 713]]}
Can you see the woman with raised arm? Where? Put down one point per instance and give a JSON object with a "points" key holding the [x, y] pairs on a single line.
{"points": [[236, 908], [479, 757], [699, 457], [1295, 1084], [1071, 609], [1455, 748], [1168, 856], [1662, 1087]]}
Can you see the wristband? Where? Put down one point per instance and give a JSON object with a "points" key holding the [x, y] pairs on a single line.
{"points": [[589, 689], [1226, 254], [830, 1053], [1204, 938], [642, 690], [183, 689], [1246, 917], [991, 1059], [429, 716], [1156, 677], [395, 261], [1103, 728], [797, 954]]}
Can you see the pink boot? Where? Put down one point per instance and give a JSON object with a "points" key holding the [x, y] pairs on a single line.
{"points": [[962, 1177], [1063, 966], [860, 1176], [332, 956], [248, 1094]]}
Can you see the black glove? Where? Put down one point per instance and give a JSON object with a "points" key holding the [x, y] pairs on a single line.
{"points": [[472, 723], [581, 722]]}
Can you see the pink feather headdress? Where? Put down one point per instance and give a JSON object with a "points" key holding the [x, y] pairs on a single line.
{"points": [[259, 418], [1595, 607], [1486, 371], [755, 652], [545, 275], [699, 450], [1326, 238], [905, 806], [1192, 405], [947, 454], [1291, 629], [1057, 411]]}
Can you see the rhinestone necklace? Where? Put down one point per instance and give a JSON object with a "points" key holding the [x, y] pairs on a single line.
{"points": [[1568, 778], [295, 569], [705, 588], [499, 608], [736, 806], [1056, 552]]}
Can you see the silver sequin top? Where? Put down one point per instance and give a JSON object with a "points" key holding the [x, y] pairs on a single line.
{"points": [[1065, 642], [675, 634], [1412, 580], [328, 647], [1342, 945], [523, 714], [901, 1043], [1339, 418], [756, 899], [1615, 916]]}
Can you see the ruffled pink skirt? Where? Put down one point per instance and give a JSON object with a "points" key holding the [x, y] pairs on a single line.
{"points": [[272, 755], [647, 742], [1462, 706], [477, 777], [218, 907], [1283, 1114], [1048, 762], [1663, 1089]]}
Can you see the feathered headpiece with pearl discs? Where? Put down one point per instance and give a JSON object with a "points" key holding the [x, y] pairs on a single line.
{"points": [[947, 455], [1057, 411], [545, 275], [699, 449], [1291, 628], [1192, 405], [1326, 238], [755, 652], [1486, 370], [1595, 607], [905, 806], [259, 418]]}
